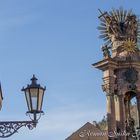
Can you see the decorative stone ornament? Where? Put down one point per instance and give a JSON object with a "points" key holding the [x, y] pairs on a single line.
{"points": [[129, 45], [131, 75], [118, 24]]}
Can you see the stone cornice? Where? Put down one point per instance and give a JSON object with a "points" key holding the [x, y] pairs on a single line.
{"points": [[105, 64], [111, 63]]}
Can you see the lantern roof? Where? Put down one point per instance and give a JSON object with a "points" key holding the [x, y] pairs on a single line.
{"points": [[34, 84]]}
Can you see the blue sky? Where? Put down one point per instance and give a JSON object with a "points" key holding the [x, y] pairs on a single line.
{"points": [[57, 40]]}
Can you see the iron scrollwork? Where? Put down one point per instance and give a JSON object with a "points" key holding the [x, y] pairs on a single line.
{"points": [[9, 128]]}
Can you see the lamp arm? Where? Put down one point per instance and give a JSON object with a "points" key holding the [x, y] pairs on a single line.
{"points": [[8, 128]]}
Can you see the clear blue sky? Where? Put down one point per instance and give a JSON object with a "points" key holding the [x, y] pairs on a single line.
{"points": [[57, 40]]}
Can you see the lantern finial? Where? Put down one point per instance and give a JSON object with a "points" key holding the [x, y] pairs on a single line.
{"points": [[34, 79]]}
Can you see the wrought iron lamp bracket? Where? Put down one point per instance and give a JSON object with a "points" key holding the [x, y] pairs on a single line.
{"points": [[9, 128]]}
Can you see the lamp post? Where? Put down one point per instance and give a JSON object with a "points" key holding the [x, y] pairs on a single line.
{"points": [[34, 94]]}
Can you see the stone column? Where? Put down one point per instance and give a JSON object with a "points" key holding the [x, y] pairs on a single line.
{"points": [[122, 116], [138, 106], [111, 115], [117, 108], [122, 112], [119, 113]]}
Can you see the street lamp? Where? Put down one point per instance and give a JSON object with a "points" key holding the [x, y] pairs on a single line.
{"points": [[34, 97], [34, 94]]}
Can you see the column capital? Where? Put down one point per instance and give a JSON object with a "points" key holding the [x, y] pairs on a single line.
{"points": [[109, 94]]}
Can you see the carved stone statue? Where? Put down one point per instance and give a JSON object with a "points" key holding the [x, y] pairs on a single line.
{"points": [[106, 51], [131, 26], [130, 126], [119, 25]]}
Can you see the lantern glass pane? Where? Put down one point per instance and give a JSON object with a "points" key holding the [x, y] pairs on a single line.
{"points": [[40, 100], [27, 94], [34, 93]]}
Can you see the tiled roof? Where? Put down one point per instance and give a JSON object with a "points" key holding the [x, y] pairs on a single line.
{"points": [[88, 132]]}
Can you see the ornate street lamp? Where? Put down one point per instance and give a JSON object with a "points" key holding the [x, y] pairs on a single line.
{"points": [[34, 94], [34, 97]]}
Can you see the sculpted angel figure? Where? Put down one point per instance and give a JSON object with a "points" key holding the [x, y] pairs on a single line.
{"points": [[132, 27]]}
